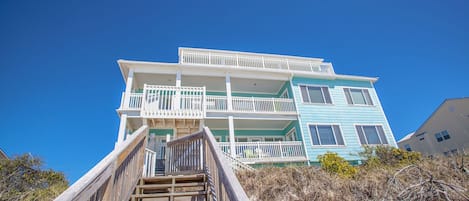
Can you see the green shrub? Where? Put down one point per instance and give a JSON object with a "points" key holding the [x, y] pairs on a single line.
{"points": [[378, 156], [334, 164]]}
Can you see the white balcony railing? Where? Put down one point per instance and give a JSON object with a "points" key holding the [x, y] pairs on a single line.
{"points": [[253, 60], [173, 102], [251, 104], [166, 101], [281, 151]]}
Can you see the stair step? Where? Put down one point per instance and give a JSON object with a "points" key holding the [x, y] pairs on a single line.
{"points": [[163, 186], [178, 194], [177, 178]]}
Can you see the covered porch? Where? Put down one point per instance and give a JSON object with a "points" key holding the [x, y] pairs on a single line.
{"points": [[259, 141]]}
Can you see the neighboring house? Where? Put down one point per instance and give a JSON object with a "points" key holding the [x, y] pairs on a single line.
{"points": [[3, 155], [446, 131], [269, 108]]}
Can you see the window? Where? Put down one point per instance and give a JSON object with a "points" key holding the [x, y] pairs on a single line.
{"points": [[443, 135], [407, 147], [326, 135], [241, 139], [358, 96], [371, 135], [439, 138], [312, 94], [273, 139]]}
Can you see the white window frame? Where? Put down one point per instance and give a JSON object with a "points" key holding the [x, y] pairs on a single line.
{"points": [[351, 97], [309, 97], [333, 132], [379, 137]]}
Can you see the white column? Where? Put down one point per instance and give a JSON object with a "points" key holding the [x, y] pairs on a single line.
{"points": [[232, 137], [229, 100], [178, 79], [168, 137], [128, 87], [122, 129], [201, 124], [177, 100]]}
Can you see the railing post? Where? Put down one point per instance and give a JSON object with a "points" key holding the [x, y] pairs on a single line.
{"points": [[288, 65], [202, 151], [209, 58], [259, 150], [204, 103], [263, 62], [273, 104], [281, 149], [253, 104]]}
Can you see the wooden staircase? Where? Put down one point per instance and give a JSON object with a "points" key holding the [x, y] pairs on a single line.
{"points": [[172, 188]]}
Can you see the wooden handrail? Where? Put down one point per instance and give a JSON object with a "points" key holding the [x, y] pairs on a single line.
{"points": [[206, 155], [114, 177]]}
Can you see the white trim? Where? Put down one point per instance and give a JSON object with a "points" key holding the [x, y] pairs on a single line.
{"points": [[351, 97], [333, 133], [309, 97], [299, 118], [378, 104], [375, 125]]}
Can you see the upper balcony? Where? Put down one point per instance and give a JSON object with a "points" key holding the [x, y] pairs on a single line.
{"points": [[244, 60], [157, 101]]}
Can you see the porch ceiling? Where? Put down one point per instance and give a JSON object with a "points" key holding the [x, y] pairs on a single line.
{"points": [[211, 83], [245, 124]]}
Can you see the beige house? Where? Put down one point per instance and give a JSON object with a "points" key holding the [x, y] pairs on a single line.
{"points": [[446, 131], [3, 155]]}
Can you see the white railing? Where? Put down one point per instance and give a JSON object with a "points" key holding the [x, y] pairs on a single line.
{"points": [[173, 102], [281, 151], [274, 105], [253, 60], [135, 100], [236, 164], [149, 165], [217, 103], [162, 102]]}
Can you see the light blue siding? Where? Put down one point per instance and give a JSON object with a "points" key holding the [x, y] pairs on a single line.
{"points": [[339, 113]]}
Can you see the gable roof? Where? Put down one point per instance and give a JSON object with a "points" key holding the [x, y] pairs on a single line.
{"points": [[438, 109], [3, 154], [408, 136]]}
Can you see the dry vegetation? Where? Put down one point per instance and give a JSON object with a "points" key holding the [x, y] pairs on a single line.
{"points": [[380, 178]]}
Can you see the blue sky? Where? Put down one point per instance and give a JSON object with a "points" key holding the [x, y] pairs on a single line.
{"points": [[60, 82]]}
